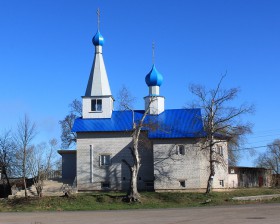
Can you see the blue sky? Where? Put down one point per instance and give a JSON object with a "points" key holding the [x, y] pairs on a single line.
{"points": [[46, 55]]}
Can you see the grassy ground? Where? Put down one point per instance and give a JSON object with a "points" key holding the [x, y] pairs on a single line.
{"points": [[113, 201]]}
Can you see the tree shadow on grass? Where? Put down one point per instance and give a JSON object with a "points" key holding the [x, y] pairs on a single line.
{"points": [[22, 201]]}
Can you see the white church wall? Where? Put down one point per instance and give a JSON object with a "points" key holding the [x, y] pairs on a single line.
{"points": [[107, 108], [173, 168], [221, 168], [156, 106], [232, 180], [91, 175], [174, 171]]}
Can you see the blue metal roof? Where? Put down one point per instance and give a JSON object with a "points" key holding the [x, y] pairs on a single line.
{"points": [[176, 123]]}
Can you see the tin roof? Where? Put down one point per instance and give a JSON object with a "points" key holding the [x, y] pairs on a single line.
{"points": [[175, 123]]}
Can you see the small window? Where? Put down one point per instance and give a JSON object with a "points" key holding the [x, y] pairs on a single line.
{"points": [[222, 183], [231, 170], [96, 105], [221, 150], [105, 185], [181, 150], [182, 183], [105, 160]]}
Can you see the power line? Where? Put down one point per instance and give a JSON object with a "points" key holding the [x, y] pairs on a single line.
{"points": [[256, 147], [249, 148]]}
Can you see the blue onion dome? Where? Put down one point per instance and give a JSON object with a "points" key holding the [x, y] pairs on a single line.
{"points": [[154, 78], [98, 39]]}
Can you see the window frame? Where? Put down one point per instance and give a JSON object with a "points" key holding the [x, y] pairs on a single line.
{"points": [[220, 150], [182, 183], [222, 183], [181, 150], [96, 105], [103, 161], [105, 183]]}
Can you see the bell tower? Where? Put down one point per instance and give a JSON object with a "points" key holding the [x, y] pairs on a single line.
{"points": [[154, 101], [98, 100]]}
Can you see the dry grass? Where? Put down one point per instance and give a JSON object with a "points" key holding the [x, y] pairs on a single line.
{"points": [[113, 201]]}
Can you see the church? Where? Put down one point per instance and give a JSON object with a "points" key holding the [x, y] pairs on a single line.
{"points": [[171, 155]]}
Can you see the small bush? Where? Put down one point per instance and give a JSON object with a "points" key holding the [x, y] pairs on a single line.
{"points": [[100, 199]]}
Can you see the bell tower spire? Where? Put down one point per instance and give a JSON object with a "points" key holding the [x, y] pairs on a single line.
{"points": [[154, 79], [98, 99]]}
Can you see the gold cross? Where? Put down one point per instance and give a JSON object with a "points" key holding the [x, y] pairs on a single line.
{"points": [[98, 18]]}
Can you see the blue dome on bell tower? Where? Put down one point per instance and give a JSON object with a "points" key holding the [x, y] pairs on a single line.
{"points": [[98, 39], [154, 78]]}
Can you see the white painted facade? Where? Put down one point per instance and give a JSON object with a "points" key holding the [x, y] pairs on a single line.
{"points": [[105, 112], [163, 168], [156, 104], [232, 180], [91, 174], [188, 170]]}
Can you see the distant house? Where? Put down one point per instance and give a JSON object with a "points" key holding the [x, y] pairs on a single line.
{"points": [[171, 158], [249, 177]]}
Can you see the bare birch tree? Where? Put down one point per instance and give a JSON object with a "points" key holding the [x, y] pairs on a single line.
{"points": [[67, 136], [7, 159], [125, 103], [222, 122], [40, 162], [26, 131], [125, 99], [270, 159]]}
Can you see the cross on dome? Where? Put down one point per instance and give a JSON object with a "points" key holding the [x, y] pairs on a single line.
{"points": [[98, 39], [153, 78], [98, 18]]}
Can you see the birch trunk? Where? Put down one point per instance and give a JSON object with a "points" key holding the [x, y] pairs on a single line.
{"points": [[24, 171], [134, 194], [211, 178]]}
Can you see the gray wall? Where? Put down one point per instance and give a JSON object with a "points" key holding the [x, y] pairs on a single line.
{"points": [[90, 174], [162, 168], [69, 166], [171, 168]]}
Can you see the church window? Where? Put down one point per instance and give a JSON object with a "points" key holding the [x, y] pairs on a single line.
{"points": [[105, 185], [105, 160], [182, 183], [181, 150], [220, 150], [96, 105]]}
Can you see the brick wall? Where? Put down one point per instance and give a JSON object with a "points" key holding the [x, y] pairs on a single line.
{"points": [[91, 175]]}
